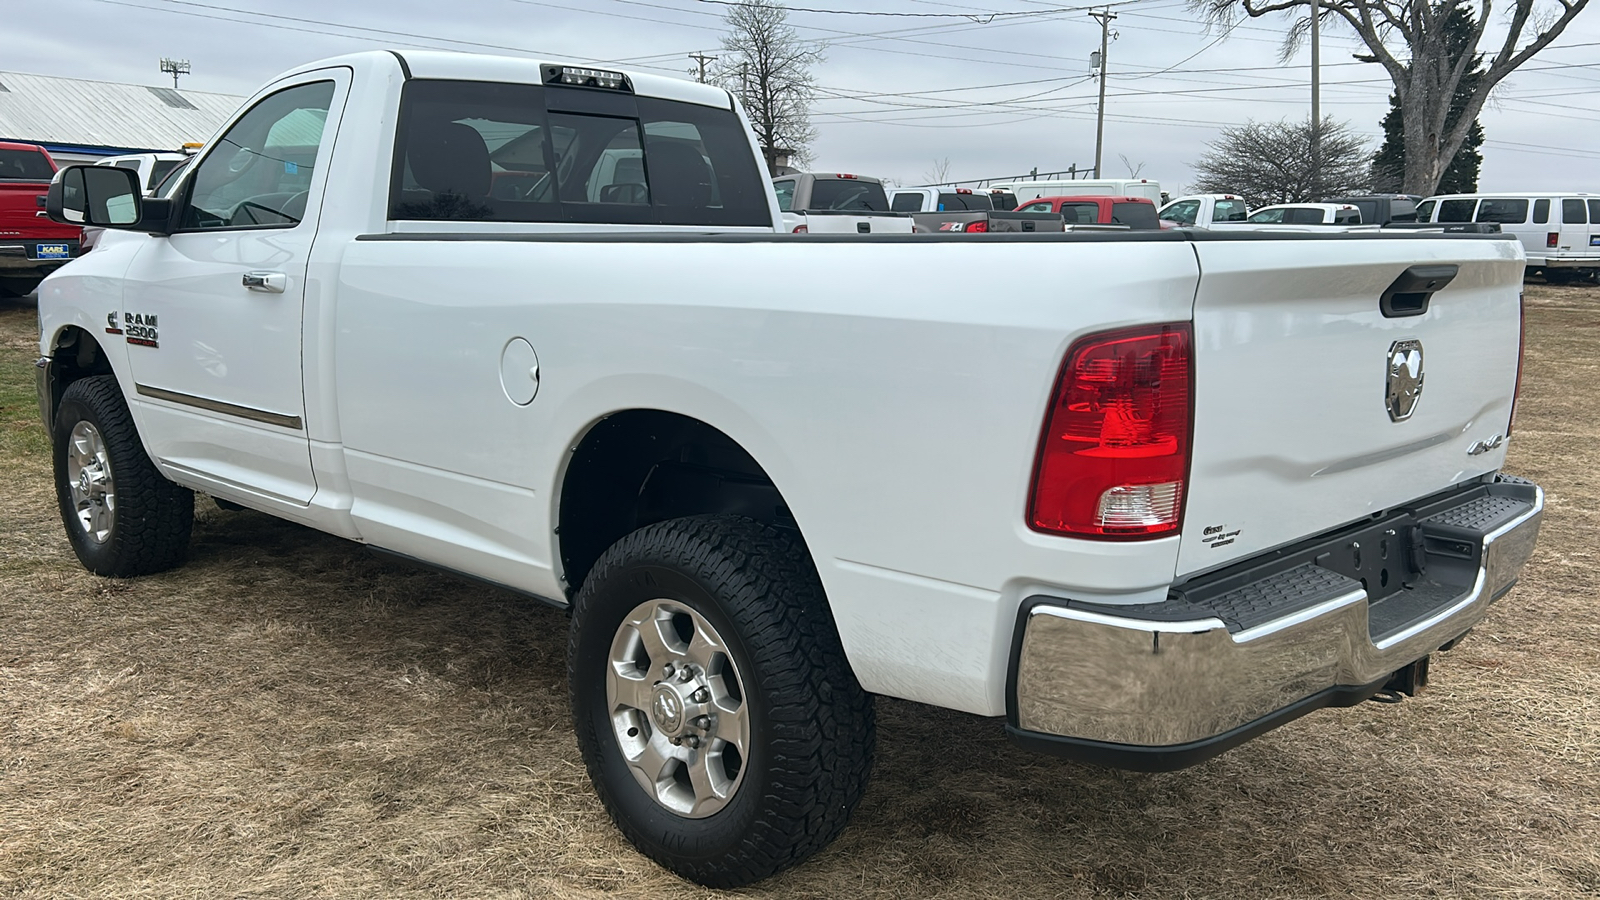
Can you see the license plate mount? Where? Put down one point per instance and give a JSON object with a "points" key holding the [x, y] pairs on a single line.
{"points": [[52, 251]]}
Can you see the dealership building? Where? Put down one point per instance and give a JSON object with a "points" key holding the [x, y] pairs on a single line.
{"points": [[83, 121]]}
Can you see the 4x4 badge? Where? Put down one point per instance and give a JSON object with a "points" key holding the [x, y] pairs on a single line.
{"points": [[1405, 379]]}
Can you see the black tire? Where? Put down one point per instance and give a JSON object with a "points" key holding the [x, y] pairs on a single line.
{"points": [[811, 726], [150, 518]]}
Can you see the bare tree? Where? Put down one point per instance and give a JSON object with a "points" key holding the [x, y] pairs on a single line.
{"points": [[1426, 64], [1270, 162], [939, 173], [768, 67], [1133, 170]]}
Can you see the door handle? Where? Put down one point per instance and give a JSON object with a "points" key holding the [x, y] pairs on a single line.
{"points": [[266, 282]]}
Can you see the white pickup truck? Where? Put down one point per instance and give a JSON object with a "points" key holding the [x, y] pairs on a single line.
{"points": [[1208, 484], [836, 204]]}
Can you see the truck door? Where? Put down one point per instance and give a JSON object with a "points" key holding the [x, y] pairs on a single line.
{"points": [[213, 311]]}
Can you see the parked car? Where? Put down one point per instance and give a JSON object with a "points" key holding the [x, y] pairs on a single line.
{"points": [[1134, 212], [818, 203], [1383, 209], [1083, 187], [152, 168], [1205, 210], [1306, 214], [1559, 230], [1137, 518], [31, 245]]}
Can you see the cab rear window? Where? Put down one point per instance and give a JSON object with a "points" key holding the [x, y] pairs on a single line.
{"points": [[486, 151], [1135, 215], [1230, 211], [850, 194], [25, 165]]}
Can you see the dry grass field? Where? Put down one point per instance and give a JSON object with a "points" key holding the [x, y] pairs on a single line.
{"points": [[289, 716]]}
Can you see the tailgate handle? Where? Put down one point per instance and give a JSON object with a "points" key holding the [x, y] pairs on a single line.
{"points": [[863, 228], [1029, 226], [1410, 293]]}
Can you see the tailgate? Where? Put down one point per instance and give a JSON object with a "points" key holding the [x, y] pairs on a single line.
{"points": [[21, 216], [1293, 433], [835, 222]]}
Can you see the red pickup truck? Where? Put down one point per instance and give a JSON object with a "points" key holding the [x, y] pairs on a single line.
{"points": [[1137, 213], [31, 246]]}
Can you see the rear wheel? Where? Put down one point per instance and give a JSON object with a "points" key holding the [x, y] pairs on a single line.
{"points": [[718, 718], [122, 517]]}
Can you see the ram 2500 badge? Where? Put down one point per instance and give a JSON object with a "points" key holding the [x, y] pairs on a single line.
{"points": [[540, 324]]}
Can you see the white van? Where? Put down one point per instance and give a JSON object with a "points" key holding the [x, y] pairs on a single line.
{"points": [[1560, 231], [1084, 187]]}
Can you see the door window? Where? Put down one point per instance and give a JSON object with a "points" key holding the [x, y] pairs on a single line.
{"points": [[1035, 208], [1572, 212], [1594, 211], [1081, 213], [1267, 217], [1425, 210], [785, 192], [1183, 212], [259, 173], [1541, 212]]}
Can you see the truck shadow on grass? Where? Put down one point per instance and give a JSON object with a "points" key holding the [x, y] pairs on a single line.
{"points": [[458, 681]]}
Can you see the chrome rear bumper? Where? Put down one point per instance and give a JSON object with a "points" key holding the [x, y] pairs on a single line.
{"points": [[1166, 685]]}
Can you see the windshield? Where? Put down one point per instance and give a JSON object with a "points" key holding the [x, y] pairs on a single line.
{"points": [[848, 194], [25, 165]]}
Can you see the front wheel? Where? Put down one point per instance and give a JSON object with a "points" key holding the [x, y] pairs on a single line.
{"points": [[122, 517], [720, 723]]}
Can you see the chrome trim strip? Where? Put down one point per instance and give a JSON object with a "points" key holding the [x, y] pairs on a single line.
{"points": [[1293, 619], [1193, 626], [218, 406]]}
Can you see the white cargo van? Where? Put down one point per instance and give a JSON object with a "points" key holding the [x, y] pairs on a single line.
{"points": [[1085, 187], [1559, 230]]}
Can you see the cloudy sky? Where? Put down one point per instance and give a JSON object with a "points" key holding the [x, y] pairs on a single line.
{"points": [[913, 83]]}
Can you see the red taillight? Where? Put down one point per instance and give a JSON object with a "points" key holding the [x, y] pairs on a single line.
{"points": [[1551, 238], [977, 227], [1522, 339], [1114, 456], [801, 229]]}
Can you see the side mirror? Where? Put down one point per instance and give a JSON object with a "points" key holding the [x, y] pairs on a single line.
{"points": [[103, 197]]}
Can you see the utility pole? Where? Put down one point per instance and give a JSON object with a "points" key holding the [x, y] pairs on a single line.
{"points": [[1316, 103], [703, 60], [1105, 17], [175, 67]]}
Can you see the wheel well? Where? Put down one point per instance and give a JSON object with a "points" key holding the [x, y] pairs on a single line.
{"points": [[643, 466], [74, 355]]}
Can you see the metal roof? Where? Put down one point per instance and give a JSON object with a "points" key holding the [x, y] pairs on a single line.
{"points": [[44, 109]]}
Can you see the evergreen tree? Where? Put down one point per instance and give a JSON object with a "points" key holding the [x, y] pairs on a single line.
{"points": [[1461, 175]]}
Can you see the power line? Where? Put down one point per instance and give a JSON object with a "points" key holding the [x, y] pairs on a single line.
{"points": [[979, 17]]}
